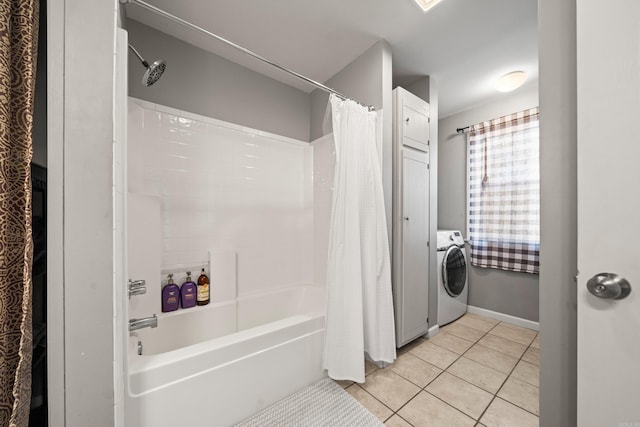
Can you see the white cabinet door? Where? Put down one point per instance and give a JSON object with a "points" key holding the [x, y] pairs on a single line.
{"points": [[415, 238], [608, 60], [414, 120]]}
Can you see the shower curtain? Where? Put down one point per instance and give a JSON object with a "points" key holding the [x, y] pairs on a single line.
{"points": [[359, 301], [18, 52]]}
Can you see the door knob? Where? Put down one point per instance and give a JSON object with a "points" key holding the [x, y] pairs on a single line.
{"points": [[609, 286]]}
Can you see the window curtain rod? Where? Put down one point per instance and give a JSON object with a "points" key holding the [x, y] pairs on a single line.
{"points": [[192, 26], [463, 130]]}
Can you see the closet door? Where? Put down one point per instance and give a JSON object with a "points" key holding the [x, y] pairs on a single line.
{"points": [[415, 240]]}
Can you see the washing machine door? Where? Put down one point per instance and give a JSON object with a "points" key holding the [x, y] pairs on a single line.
{"points": [[454, 271]]}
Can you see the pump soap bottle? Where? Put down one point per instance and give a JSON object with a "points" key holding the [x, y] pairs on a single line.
{"points": [[170, 295], [204, 295], [188, 292]]}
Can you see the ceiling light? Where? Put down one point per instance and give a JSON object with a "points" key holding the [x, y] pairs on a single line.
{"points": [[427, 4], [511, 81]]}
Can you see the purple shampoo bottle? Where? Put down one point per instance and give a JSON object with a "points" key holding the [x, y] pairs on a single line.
{"points": [[170, 296], [188, 292]]}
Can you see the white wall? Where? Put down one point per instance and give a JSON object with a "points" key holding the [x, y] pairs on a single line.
{"points": [[506, 292], [80, 138], [221, 188], [203, 83], [558, 211]]}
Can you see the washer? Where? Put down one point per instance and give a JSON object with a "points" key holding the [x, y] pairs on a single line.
{"points": [[453, 289]]}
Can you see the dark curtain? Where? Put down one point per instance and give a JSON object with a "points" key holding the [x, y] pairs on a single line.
{"points": [[18, 53]]}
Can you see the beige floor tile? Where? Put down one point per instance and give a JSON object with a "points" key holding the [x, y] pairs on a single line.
{"points": [[504, 414], [527, 372], [425, 410], [408, 347], [396, 421], [438, 356], [503, 345], [415, 369], [463, 331], [484, 377], [532, 355], [451, 342], [476, 323], [460, 394], [514, 333], [486, 319], [371, 403], [521, 394], [536, 342], [491, 358], [369, 367], [390, 388], [344, 383]]}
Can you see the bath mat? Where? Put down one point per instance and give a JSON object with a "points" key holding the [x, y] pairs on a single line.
{"points": [[324, 403]]}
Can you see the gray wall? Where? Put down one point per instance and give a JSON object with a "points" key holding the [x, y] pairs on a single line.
{"points": [[80, 223], [364, 80], [558, 170], [506, 292], [203, 83]]}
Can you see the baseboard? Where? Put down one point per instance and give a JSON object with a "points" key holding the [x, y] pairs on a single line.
{"points": [[518, 321], [432, 332]]}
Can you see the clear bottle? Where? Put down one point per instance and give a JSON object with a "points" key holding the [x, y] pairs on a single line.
{"points": [[204, 290]]}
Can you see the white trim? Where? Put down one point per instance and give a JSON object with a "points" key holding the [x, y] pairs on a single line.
{"points": [[517, 321], [466, 190], [55, 217], [432, 332]]}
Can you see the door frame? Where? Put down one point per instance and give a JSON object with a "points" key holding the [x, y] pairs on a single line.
{"points": [[558, 203]]}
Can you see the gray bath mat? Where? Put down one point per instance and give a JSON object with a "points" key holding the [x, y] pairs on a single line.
{"points": [[324, 403]]}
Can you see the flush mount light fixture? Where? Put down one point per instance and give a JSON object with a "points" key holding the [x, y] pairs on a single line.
{"points": [[511, 81], [427, 4]]}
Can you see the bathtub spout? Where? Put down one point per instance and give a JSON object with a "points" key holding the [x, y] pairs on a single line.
{"points": [[145, 322]]}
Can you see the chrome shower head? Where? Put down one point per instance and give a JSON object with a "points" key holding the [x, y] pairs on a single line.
{"points": [[154, 71]]}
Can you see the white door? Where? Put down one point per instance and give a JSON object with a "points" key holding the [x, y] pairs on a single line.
{"points": [[415, 240], [608, 60]]}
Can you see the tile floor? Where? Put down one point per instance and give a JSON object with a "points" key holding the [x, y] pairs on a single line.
{"points": [[476, 372]]}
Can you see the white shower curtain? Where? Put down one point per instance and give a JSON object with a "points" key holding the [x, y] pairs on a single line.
{"points": [[359, 302]]}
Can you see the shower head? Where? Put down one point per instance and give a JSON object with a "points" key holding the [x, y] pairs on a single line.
{"points": [[154, 71]]}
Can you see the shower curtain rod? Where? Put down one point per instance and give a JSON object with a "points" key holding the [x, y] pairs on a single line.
{"points": [[188, 24]]}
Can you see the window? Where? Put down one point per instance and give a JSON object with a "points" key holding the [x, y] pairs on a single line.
{"points": [[504, 193]]}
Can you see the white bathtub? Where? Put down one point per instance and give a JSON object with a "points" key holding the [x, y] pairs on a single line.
{"points": [[196, 370]]}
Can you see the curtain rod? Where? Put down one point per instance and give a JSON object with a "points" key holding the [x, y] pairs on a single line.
{"points": [[192, 26], [463, 130]]}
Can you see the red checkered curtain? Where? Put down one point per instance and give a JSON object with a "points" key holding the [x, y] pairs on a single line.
{"points": [[504, 193]]}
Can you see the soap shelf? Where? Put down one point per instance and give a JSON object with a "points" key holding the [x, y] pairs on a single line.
{"points": [[180, 272]]}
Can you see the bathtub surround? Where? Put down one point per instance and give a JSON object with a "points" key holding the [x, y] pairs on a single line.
{"points": [[220, 187], [238, 202]]}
